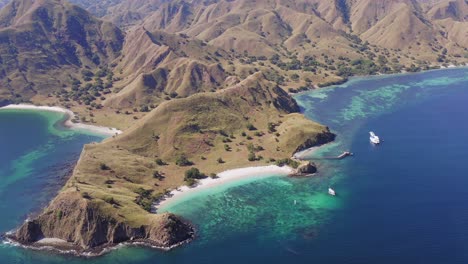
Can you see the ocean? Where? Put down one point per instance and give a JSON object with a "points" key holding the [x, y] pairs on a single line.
{"points": [[404, 201]]}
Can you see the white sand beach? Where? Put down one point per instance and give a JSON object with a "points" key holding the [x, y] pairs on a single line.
{"points": [[107, 131], [223, 178]]}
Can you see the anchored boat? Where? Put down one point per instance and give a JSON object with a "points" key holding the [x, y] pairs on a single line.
{"points": [[331, 192], [374, 138]]}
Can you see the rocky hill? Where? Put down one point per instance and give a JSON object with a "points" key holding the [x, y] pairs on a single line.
{"points": [[44, 43]]}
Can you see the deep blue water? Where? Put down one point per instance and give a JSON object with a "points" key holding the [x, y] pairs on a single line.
{"points": [[402, 202]]}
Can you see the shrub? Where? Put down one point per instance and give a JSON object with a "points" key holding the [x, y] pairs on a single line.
{"points": [[103, 166], [227, 140], [144, 193], [158, 175], [59, 214], [271, 127], [85, 195], [191, 182], [160, 162], [258, 134], [251, 127], [182, 160], [223, 133], [109, 182], [109, 200], [251, 156], [144, 108], [220, 160]]}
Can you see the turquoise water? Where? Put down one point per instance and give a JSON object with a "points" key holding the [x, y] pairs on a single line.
{"points": [[401, 202]]}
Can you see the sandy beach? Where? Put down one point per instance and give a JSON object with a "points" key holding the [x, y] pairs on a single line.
{"points": [[223, 178], [107, 131]]}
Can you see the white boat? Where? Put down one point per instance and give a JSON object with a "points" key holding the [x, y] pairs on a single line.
{"points": [[331, 192], [374, 139]]}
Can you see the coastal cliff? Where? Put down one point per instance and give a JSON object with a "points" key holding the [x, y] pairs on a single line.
{"points": [[85, 227], [321, 139]]}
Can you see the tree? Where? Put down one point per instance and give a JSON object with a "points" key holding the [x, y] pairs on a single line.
{"points": [[251, 156], [194, 173]]}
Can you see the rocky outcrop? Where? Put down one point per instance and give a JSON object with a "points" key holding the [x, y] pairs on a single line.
{"points": [[84, 225], [4, 102], [306, 168], [320, 139]]}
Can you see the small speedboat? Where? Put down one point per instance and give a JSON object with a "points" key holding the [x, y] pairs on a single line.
{"points": [[331, 192], [374, 138]]}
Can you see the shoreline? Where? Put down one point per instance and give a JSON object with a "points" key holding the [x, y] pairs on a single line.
{"points": [[223, 178], [62, 247], [68, 123], [380, 75], [303, 154]]}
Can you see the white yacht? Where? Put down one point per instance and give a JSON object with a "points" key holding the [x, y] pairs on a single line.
{"points": [[331, 192], [374, 139]]}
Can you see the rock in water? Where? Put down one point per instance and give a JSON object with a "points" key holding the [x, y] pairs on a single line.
{"points": [[306, 169]]}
